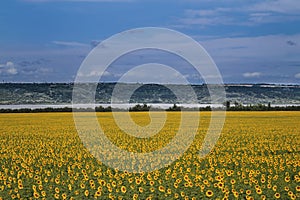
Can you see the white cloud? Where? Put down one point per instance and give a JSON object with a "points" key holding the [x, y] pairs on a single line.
{"points": [[261, 17], [95, 73], [207, 20], [280, 6], [297, 75], [207, 12], [247, 14], [153, 73], [265, 48], [70, 44], [12, 71], [252, 74], [8, 68], [9, 64], [3, 65], [207, 17]]}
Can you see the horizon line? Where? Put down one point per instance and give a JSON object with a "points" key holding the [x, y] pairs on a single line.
{"points": [[114, 82]]}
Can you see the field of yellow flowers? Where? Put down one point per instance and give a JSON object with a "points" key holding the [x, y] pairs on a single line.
{"points": [[256, 157]]}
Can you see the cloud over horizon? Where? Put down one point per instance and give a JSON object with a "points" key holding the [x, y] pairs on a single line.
{"points": [[8, 69], [252, 74], [70, 44]]}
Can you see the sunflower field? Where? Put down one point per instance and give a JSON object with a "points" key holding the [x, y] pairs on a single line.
{"points": [[256, 157]]}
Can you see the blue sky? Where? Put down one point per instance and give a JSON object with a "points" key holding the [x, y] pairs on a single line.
{"points": [[256, 41]]}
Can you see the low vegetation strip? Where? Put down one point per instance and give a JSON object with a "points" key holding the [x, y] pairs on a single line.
{"points": [[146, 108]]}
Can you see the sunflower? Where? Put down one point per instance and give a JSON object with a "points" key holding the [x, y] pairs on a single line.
{"points": [[161, 188], [86, 193], [123, 189], [151, 183], [36, 195], [277, 195], [114, 184], [236, 194], [43, 193], [40, 187], [70, 187], [82, 186], [141, 190], [168, 171], [220, 185], [97, 194], [182, 194], [137, 181], [176, 195], [64, 195], [56, 196], [248, 192], [258, 191], [202, 187], [209, 193], [102, 182], [286, 188], [176, 185], [218, 178], [130, 180], [287, 179], [34, 188]]}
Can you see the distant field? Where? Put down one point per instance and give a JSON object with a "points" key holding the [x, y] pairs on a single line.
{"points": [[256, 157]]}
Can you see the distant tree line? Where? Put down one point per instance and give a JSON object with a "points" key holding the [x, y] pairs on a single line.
{"points": [[146, 108], [258, 107], [139, 108]]}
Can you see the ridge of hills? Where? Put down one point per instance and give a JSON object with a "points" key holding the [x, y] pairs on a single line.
{"points": [[61, 93]]}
